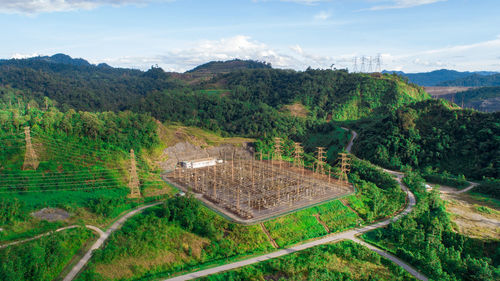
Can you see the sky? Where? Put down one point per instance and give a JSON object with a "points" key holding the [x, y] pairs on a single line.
{"points": [[177, 35]]}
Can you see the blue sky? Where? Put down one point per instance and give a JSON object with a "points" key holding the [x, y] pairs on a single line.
{"points": [[410, 35]]}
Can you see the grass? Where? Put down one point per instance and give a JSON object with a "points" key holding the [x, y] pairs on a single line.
{"points": [[171, 134], [480, 198], [70, 176], [344, 260], [302, 225], [149, 248], [484, 210], [44, 258], [293, 228]]}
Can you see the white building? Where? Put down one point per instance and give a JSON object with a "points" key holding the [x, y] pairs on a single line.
{"points": [[199, 163]]}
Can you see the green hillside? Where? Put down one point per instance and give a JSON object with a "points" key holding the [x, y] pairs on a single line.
{"points": [[433, 135], [83, 167]]}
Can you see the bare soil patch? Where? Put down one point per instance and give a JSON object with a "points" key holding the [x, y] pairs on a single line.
{"points": [[470, 220], [297, 109], [51, 214]]}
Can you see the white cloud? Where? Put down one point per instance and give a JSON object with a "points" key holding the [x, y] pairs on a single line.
{"points": [[476, 56], [24, 56], [402, 4], [48, 6], [240, 46], [323, 15]]}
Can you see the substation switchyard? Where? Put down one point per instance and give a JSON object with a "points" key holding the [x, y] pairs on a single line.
{"points": [[250, 190]]}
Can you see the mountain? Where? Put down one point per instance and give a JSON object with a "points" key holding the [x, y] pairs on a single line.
{"points": [[485, 99], [474, 80], [215, 67], [61, 59], [436, 77]]}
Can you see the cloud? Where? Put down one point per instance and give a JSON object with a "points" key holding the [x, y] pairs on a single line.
{"points": [[239, 46], [24, 56], [323, 15], [475, 56], [48, 6], [403, 4]]}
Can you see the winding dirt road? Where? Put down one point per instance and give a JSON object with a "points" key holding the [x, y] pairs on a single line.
{"points": [[115, 226], [91, 227]]}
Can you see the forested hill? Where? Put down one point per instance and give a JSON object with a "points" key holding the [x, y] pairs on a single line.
{"points": [[327, 94], [215, 67], [434, 135], [82, 86], [475, 80], [228, 98]]}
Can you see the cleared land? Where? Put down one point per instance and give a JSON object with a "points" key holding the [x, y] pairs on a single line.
{"points": [[472, 217], [443, 91], [252, 190]]}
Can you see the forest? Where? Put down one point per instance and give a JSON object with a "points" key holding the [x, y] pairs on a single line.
{"points": [[433, 135], [426, 239]]}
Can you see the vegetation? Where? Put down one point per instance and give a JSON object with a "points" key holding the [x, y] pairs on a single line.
{"points": [[295, 227], [425, 238], [446, 179], [490, 187], [228, 66], [44, 258], [475, 80], [432, 134], [344, 260], [482, 99], [179, 235], [83, 165], [378, 194]]}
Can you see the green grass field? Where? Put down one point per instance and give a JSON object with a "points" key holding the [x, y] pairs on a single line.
{"points": [[302, 225]]}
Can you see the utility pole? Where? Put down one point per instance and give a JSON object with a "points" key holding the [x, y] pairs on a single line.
{"points": [[30, 159], [134, 179]]}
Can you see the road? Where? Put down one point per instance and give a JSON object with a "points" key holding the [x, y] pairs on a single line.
{"points": [[94, 228], [103, 237], [446, 189], [351, 141], [346, 235]]}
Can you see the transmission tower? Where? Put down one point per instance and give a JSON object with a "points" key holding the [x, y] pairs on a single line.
{"points": [[378, 64], [30, 159], [277, 149], [298, 154], [363, 64], [320, 161], [370, 64], [355, 67], [133, 184], [345, 166]]}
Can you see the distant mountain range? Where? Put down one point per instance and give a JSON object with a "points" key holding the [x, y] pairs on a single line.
{"points": [[56, 59], [445, 77], [474, 80]]}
